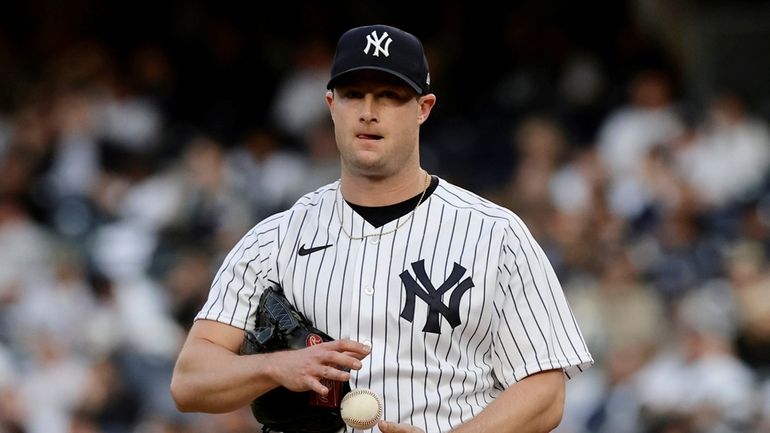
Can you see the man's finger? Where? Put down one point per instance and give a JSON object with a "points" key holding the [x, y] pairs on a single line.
{"points": [[338, 375], [343, 361], [346, 345], [356, 355], [318, 387]]}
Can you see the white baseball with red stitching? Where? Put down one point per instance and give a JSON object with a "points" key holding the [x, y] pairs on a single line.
{"points": [[361, 408]]}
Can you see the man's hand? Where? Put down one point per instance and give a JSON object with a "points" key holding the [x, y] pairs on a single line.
{"points": [[391, 427], [302, 370]]}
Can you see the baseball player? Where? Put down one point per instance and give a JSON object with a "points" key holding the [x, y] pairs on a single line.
{"points": [[439, 300]]}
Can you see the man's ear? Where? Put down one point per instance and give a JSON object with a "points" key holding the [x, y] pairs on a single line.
{"points": [[425, 104], [330, 102]]}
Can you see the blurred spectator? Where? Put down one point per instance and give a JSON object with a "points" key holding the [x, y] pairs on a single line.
{"points": [[750, 282], [264, 174], [582, 223], [620, 313], [52, 384], [623, 322], [209, 197], [730, 156], [299, 102], [107, 404], [542, 148], [187, 281], [582, 89], [577, 187], [25, 257], [323, 161], [630, 133], [76, 158], [699, 381], [684, 254], [57, 305]]}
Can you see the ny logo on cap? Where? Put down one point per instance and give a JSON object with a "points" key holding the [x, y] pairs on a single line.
{"points": [[372, 40]]}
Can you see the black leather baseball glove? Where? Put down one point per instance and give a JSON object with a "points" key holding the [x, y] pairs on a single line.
{"points": [[281, 327]]}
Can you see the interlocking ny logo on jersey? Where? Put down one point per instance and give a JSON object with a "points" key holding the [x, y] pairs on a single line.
{"points": [[373, 41], [432, 296]]}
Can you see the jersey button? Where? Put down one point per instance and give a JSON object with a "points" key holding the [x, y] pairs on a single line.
{"points": [[369, 291], [374, 240]]}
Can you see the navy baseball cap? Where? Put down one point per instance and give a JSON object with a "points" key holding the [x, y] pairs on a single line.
{"points": [[383, 48]]}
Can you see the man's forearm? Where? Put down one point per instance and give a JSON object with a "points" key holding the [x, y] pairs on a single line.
{"points": [[532, 405], [209, 378]]}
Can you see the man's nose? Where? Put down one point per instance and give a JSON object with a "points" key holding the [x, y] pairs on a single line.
{"points": [[368, 111]]}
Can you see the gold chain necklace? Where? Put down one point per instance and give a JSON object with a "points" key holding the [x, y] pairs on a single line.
{"points": [[411, 215]]}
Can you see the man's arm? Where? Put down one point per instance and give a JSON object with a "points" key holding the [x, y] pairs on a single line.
{"points": [[532, 405], [210, 375]]}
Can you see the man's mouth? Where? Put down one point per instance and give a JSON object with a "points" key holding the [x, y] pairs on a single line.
{"points": [[368, 136]]}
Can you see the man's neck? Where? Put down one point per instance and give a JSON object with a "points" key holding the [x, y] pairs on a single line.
{"points": [[377, 191]]}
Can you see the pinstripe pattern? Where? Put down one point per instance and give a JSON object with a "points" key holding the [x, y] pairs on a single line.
{"points": [[514, 320]]}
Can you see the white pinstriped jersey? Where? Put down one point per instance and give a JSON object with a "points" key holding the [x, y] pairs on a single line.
{"points": [[457, 304]]}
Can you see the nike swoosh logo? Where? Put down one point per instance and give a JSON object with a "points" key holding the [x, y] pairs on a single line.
{"points": [[303, 251]]}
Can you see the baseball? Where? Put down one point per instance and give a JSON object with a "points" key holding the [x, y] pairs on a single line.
{"points": [[361, 408]]}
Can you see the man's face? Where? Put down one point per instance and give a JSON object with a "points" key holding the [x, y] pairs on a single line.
{"points": [[377, 118]]}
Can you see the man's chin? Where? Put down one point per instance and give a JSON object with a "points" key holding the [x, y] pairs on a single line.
{"points": [[371, 174], [369, 167]]}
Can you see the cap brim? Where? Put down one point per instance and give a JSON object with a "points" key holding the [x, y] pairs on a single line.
{"points": [[407, 80]]}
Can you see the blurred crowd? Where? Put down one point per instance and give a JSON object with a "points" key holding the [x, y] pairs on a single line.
{"points": [[125, 178]]}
